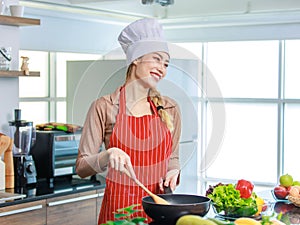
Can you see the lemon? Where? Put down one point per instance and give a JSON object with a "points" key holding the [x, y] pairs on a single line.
{"points": [[259, 202], [246, 221]]}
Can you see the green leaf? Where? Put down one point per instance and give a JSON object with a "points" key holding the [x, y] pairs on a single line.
{"points": [[126, 213], [120, 215], [121, 222], [138, 219], [128, 209], [108, 223]]}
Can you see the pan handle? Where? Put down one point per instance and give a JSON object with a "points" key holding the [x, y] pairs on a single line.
{"points": [[168, 190]]}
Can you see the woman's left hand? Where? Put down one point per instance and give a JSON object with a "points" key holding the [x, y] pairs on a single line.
{"points": [[170, 180]]}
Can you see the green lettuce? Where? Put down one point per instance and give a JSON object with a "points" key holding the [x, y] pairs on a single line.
{"points": [[227, 199]]}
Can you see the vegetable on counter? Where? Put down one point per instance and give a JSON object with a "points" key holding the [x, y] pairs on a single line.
{"points": [[195, 220], [245, 187], [228, 200], [69, 128], [124, 216], [198, 220], [246, 221]]}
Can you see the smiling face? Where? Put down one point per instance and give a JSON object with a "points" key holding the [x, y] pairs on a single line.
{"points": [[150, 69]]}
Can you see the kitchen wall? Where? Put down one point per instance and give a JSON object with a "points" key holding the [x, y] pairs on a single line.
{"points": [[55, 33], [9, 87]]}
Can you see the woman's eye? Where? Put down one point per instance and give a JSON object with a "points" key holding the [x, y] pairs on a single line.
{"points": [[157, 59], [166, 65]]}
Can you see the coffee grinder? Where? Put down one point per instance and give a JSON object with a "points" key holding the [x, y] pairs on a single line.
{"points": [[23, 134]]}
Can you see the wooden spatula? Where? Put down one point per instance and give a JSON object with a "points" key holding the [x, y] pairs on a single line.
{"points": [[156, 199]]}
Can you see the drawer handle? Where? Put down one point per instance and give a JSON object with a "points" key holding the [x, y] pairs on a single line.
{"points": [[101, 194], [72, 200], [12, 212]]}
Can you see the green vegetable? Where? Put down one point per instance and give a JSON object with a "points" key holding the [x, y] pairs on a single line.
{"points": [[60, 127], [123, 217], [227, 199]]}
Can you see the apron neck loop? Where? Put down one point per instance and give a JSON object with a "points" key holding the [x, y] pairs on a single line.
{"points": [[122, 103]]}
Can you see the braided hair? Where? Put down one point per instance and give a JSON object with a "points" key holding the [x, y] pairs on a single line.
{"points": [[164, 115]]}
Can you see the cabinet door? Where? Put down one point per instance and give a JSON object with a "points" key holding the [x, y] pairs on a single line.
{"points": [[99, 201], [31, 213], [72, 209]]}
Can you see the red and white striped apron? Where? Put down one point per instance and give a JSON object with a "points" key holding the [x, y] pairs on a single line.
{"points": [[148, 142]]}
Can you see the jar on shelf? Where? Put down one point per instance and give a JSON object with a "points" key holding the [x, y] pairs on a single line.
{"points": [[5, 58]]}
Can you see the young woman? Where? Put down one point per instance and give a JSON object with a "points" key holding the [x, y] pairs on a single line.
{"points": [[140, 128]]}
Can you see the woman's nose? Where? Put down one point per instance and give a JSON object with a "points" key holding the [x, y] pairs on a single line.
{"points": [[161, 70]]}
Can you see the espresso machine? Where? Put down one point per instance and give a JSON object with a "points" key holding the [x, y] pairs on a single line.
{"points": [[23, 134]]}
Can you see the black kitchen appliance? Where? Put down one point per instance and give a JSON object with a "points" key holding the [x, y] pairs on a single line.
{"points": [[23, 135], [55, 154]]}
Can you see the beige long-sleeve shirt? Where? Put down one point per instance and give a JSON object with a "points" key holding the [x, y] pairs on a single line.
{"points": [[98, 128]]}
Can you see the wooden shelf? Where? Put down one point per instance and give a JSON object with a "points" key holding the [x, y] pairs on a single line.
{"points": [[15, 73], [18, 21]]}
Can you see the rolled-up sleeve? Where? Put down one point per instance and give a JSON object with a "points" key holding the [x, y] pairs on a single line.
{"points": [[174, 112], [96, 130]]}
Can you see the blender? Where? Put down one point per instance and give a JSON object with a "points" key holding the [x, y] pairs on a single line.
{"points": [[23, 135]]}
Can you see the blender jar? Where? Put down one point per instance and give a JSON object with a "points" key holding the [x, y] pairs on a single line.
{"points": [[22, 133]]}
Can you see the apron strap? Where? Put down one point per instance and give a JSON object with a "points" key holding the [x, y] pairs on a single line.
{"points": [[122, 101]]}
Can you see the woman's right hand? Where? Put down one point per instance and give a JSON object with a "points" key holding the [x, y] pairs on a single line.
{"points": [[120, 160]]}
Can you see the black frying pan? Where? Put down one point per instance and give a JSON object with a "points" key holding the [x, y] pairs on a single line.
{"points": [[180, 204]]}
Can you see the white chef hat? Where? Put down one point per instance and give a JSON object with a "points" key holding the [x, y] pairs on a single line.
{"points": [[142, 37]]}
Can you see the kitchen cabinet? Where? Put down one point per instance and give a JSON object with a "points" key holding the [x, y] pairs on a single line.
{"points": [[33, 213], [18, 21], [66, 204], [99, 202], [79, 208]]}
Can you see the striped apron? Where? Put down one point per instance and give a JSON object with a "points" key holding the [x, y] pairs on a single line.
{"points": [[148, 142]]}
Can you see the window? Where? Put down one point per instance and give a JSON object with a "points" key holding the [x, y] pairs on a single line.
{"points": [[249, 86], [43, 99], [259, 86], [291, 108]]}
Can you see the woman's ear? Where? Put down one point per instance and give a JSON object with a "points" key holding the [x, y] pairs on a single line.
{"points": [[135, 62]]}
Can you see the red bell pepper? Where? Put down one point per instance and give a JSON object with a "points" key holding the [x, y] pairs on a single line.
{"points": [[245, 187]]}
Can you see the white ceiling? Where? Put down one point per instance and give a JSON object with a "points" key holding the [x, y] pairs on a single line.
{"points": [[180, 10]]}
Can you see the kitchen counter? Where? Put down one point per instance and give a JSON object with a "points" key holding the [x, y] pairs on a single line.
{"points": [[290, 214], [42, 190]]}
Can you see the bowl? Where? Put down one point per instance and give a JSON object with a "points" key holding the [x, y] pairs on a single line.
{"points": [[277, 198], [233, 213], [180, 204]]}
